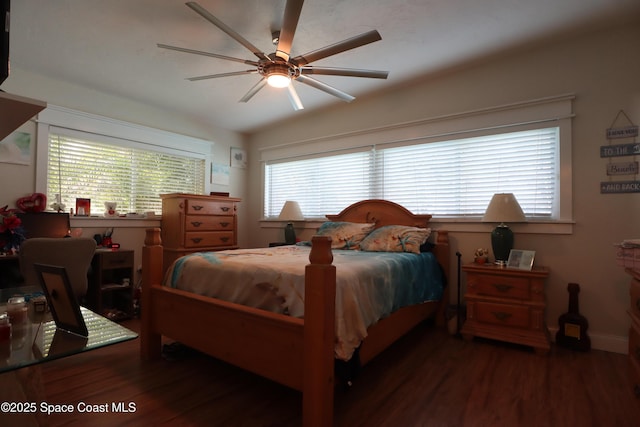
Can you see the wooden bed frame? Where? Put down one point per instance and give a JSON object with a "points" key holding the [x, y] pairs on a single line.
{"points": [[298, 353]]}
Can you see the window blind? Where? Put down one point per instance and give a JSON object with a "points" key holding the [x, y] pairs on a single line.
{"points": [[131, 176], [454, 178]]}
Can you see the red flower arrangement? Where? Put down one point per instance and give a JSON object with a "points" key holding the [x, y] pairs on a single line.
{"points": [[11, 232]]}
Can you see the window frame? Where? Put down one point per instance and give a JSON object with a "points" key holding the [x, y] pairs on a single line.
{"points": [[545, 112], [112, 131]]}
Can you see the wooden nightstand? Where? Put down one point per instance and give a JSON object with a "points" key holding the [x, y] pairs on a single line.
{"points": [[507, 304]]}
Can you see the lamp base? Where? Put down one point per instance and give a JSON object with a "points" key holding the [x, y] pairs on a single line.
{"points": [[289, 234], [502, 243]]}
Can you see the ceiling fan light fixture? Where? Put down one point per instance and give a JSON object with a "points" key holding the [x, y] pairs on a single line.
{"points": [[278, 79]]}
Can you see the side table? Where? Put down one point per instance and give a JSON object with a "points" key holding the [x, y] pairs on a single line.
{"points": [[110, 291], [507, 304]]}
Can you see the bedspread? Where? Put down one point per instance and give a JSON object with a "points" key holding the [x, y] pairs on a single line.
{"points": [[369, 285]]}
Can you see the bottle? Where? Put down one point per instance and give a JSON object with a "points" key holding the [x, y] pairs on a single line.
{"points": [[572, 331]]}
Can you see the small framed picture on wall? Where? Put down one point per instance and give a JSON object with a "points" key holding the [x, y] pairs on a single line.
{"points": [[238, 158]]}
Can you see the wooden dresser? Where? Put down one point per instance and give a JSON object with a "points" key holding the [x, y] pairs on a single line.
{"points": [[634, 330], [196, 223], [507, 304]]}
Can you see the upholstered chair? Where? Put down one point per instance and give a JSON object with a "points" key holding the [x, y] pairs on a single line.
{"points": [[72, 253]]}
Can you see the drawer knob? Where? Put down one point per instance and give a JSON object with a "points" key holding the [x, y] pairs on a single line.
{"points": [[501, 315], [224, 239], [196, 223], [224, 224], [224, 208], [196, 239], [502, 288], [197, 208]]}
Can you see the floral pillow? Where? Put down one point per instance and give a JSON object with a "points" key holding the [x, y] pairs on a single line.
{"points": [[396, 238], [345, 235]]}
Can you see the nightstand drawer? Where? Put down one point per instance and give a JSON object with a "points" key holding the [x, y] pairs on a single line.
{"points": [[116, 259], [209, 207], [500, 286], [516, 316], [209, 239], [209, 223]]}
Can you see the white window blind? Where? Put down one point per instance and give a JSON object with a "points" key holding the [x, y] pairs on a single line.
{"points": [[454, 178], [131, 176], [320, 184]]}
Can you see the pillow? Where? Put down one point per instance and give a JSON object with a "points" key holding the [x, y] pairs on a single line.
{"points": [[396, 238], [345, 235]]}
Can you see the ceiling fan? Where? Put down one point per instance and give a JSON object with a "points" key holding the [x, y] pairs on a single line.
{"points": [[279, 69]]}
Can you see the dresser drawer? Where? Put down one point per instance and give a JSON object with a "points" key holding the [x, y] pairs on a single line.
{"points": [[205, 239], [209, 207], [634, 308], [500, 286], [516, 316], [209, 223]]}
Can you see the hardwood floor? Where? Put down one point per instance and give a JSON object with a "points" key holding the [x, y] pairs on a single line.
{"points": [[428, 378]]}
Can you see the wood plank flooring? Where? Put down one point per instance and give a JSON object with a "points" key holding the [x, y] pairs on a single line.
{"points": [[428, 378]]}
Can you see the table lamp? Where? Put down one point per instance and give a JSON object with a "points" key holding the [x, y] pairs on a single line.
{"points": [[502, 208], [290, 212]]}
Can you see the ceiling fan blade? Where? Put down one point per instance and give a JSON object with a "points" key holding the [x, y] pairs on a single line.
{"points": [[325, 88], [352, 43], [215, 76], [254, 90], [292, 12], [347, 72], [294, 98], [213, 55], [218, 23]]}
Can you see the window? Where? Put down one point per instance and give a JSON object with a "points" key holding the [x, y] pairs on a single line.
{"points": [[132, 177], [453, 178], [80, 155]]}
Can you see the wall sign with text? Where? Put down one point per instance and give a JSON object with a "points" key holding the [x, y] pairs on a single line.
{"points": [[623, 149]]}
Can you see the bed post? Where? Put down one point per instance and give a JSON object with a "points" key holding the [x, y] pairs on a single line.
{"points": [[319, 335], [150, 341], [442, 254]]}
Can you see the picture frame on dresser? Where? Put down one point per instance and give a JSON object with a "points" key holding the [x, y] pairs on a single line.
{"points": [[520, 259]]}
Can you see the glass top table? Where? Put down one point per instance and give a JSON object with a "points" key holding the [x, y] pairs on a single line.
{"points": [[38, 340]]}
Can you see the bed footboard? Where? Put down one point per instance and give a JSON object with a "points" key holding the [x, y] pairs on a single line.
{"points": [[294, 352]]}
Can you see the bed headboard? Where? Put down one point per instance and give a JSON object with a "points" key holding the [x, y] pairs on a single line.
{"points": [[381, 212]]}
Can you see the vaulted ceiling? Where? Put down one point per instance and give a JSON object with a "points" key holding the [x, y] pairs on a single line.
{"points": [[111, 46]]}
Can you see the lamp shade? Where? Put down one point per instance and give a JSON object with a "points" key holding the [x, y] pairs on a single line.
{"points": [[504, 207], [291, 211]]}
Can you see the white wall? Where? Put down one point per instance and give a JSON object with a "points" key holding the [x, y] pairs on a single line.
{"points": [[602, 69]]}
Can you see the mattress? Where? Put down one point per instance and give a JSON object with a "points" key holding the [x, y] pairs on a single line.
{"points": [[369, 285]]}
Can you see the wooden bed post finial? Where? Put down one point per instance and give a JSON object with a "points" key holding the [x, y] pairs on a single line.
{"points": [[321, 250]]}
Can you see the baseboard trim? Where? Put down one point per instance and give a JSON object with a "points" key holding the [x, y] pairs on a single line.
{"points": [[610, 343]]}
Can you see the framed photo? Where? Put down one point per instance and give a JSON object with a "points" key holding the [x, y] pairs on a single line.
{"points": [[522, 260], [64, 306], [83, 207], [238, 158]]}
